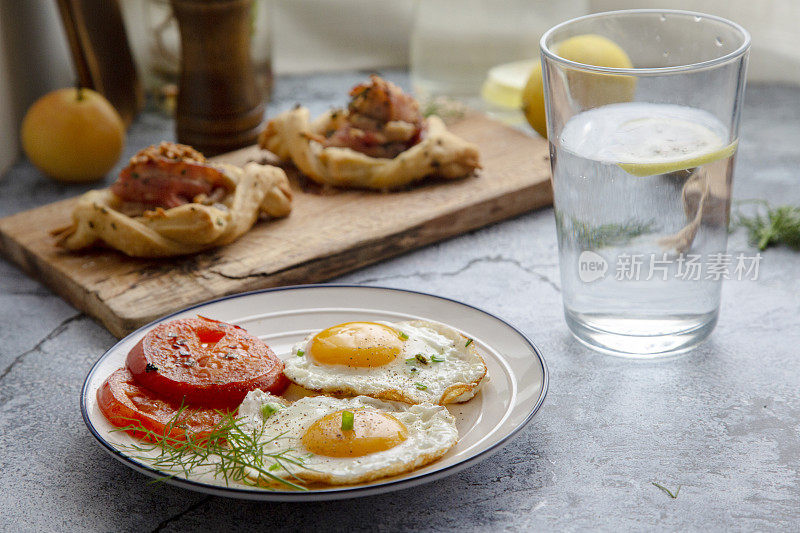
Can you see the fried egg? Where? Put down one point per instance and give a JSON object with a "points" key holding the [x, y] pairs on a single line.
{"points": [[344, 441], [414, 362]]}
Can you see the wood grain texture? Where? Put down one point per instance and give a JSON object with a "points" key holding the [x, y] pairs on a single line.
{"points": [[327, 234]]}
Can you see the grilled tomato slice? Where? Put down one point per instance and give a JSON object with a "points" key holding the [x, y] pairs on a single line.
{"points": [[124, 403], [205, 362]]}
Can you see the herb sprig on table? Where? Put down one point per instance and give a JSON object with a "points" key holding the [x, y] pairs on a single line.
{"points": [[672, 495], [228, 451], [771, 226], [448, 109]]}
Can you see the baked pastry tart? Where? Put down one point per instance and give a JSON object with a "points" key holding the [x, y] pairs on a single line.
{"points": [[381, 141], [171, 201]]}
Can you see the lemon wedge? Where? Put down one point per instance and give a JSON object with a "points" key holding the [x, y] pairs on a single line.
{"points": [[586, 88], [504, 83], [665, 167]]}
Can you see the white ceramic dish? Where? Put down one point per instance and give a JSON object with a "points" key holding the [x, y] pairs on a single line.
{"points": [[283, 316]]}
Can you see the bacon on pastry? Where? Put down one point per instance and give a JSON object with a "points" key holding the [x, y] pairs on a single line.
{"points": [[381, 141], [171, 201]]}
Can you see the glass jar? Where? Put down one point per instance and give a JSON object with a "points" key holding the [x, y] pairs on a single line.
{"points": [[454, 43]]}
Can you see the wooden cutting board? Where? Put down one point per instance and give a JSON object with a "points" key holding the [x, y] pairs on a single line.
{"points": [[327, 234]]}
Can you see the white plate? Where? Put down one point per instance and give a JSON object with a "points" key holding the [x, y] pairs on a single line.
{"points": [[285, 315]]}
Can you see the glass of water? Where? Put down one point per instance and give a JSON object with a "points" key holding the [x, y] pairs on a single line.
{"points": [[642, 162]]}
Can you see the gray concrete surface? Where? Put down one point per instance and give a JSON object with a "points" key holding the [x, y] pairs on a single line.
{"points": [[722, 422]]}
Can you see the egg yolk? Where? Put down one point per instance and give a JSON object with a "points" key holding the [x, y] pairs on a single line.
{"points": [[372, 432], [360, 344]]}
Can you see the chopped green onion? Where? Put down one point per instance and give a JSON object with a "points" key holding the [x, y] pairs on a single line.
{"points": [[300, 353], [403, 336], [347, 420], [469, 341], [437, 359], [421, 358], [274, 467], [411, 361], [267, 410], [420, 386]]}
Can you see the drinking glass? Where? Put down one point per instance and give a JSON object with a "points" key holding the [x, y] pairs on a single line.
{"points": [[642, 160]]}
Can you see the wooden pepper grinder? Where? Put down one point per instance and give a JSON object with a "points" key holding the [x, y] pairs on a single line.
{"points": [[219, 105]]}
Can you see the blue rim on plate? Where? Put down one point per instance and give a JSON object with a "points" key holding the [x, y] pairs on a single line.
{"points": [[339, 492]]}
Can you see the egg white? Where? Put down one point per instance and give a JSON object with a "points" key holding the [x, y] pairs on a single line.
{"points": [[431, 433], [456, 379]]}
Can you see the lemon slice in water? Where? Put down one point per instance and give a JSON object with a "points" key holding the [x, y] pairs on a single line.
{"points": [[665, 167], [646, 139], [665, 142]]}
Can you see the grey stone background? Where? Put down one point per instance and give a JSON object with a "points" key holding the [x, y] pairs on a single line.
{"points": [[723, 422]]}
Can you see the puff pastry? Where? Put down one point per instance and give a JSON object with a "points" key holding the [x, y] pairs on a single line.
{"points": [[380, 142], [239, 196]]}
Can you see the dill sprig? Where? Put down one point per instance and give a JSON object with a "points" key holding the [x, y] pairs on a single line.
{"points": [[587, 236], [672, 495], [228, 451], [448, 109], [609, 234], [771, 226]]}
